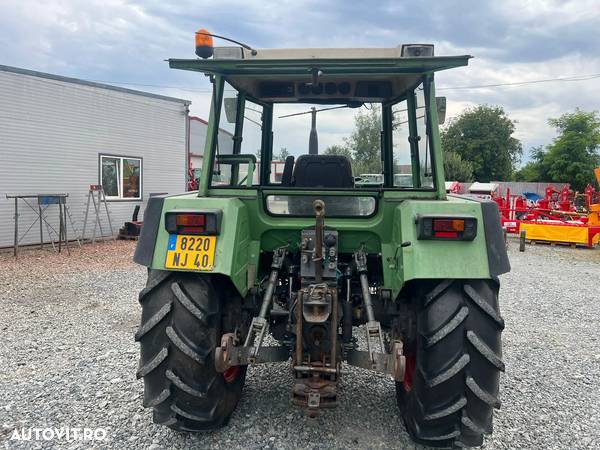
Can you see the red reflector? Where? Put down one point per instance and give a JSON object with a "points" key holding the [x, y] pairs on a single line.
{"points": [[191, 220], [191, 230], [445, 234], [448, 225]]}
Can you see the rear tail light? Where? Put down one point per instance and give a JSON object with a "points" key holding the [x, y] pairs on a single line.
{"points": [[456, 228], [449, 225], [205, 223]]}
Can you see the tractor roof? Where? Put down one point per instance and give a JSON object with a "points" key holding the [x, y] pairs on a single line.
{"points": [[277, 75]]}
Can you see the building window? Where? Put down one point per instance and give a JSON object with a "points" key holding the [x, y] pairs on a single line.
{"points": [[121, 177]]}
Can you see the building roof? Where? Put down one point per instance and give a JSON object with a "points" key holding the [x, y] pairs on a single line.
{"points": [[50, 76]]}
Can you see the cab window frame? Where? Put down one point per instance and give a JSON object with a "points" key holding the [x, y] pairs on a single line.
{"points": [[414, 139], [266, 153], [242, 98]]}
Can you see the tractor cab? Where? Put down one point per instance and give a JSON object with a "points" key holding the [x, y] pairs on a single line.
{"points": [[267, 99]]}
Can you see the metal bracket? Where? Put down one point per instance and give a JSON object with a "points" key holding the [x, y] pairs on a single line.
{"points": [[373, 327], [256, 334], [279, 257], [314, 393], [360, 258], [314, 398], [374, 337], [260, 324], [392, 364], [228, 354]]}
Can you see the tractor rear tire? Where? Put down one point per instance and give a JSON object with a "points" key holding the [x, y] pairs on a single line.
{"points": [[180, 328], [453, 370]]}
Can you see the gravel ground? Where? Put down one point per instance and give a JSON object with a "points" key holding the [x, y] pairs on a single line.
{"points": [[67, 358]]}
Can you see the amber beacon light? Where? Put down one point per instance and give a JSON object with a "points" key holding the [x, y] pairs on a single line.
{"points": [[204, 44]]}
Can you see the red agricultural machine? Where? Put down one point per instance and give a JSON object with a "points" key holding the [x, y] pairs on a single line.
{"points": [[561, 216]]}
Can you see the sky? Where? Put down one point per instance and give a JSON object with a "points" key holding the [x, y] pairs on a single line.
{"points": [[126, 42]]}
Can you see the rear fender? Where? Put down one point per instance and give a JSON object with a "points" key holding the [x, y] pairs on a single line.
{"points": [[482, 258], [236, 256]]}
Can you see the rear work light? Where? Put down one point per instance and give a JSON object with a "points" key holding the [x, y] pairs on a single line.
{"points": [[449, 228], [206, 223]]}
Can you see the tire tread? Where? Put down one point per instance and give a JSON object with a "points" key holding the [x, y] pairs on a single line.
{"points": [[458, 364], [180, 328]]}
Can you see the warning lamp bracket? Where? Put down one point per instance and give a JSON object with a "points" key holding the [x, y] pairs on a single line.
{"points": [[247, 47]]}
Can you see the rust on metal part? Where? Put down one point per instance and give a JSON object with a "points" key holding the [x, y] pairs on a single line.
{"points": [[334, 328], [314, 392], [299, 356], [223, 353], [316, 303], [319, 207]]}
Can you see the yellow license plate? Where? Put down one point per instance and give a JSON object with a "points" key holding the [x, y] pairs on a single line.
{"points": [[191, 252]]}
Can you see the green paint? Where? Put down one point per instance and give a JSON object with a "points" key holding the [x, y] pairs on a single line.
{"points": [[432, 120], [247, 229], [212, 135], [411, 103], [233, 243]]}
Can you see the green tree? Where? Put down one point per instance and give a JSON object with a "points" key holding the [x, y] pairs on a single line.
{"points": [[483, 137], [456, 168], [573, 154], [365, 142], [339, 150], [363, 147], [534, 170]]}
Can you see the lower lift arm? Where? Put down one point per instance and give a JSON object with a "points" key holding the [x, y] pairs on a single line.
{"points": [[230, 354], [390, 363]]}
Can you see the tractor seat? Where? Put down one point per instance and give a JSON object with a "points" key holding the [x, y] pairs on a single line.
{"points": [[328, 171], [288, 168]]}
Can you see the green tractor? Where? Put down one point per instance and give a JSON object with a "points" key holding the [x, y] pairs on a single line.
{"points": [[396, 277]]}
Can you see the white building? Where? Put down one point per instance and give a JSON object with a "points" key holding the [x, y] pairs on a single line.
{"points": [[198, 129], [61, 135]]}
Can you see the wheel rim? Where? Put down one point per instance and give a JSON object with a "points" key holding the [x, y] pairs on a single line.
{"points": [[231, 374], [409, 372]]}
